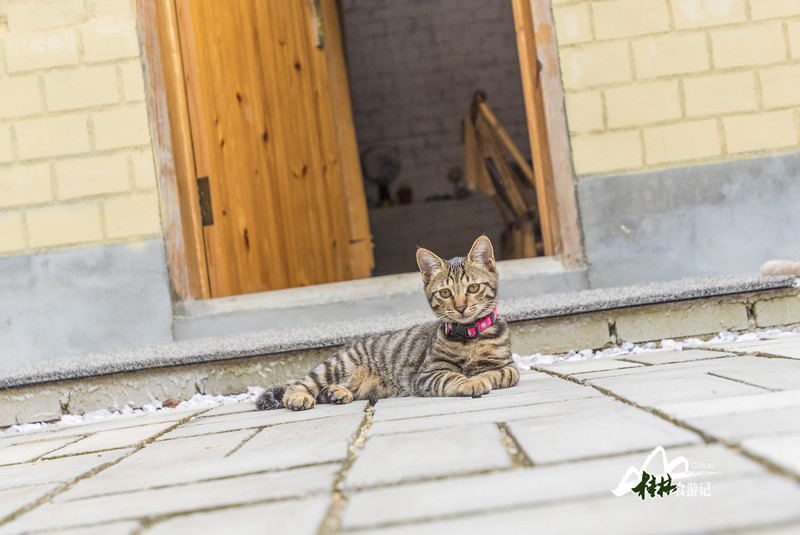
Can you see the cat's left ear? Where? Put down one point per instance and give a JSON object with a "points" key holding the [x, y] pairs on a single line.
{"points": [[429, 264], [482, 253]]}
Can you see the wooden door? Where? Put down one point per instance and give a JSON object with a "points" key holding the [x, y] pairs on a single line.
{"points": [[274, 144]]}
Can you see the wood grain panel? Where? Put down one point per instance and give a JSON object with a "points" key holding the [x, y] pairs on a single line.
{"points": [[284, 213]]}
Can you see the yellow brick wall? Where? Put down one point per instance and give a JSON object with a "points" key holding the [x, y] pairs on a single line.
{"points": [[651, 84], [76, 159]]}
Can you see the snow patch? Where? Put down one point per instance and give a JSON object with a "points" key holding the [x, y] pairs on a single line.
{"points": [[196, 401], [526, 362]]}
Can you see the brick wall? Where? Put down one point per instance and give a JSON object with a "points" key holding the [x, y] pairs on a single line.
{"points": [[414, 65], [76, 163], [664, 83]]}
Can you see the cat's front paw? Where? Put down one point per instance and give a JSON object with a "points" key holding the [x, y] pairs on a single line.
{"points": [[298, 401], [339, 394], [476, 387]]}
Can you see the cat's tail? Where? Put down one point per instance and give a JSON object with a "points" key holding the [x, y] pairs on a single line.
{"points": [[271, 398]]}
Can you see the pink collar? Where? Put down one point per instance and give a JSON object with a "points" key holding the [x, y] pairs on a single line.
{"points": [[471, 330]]}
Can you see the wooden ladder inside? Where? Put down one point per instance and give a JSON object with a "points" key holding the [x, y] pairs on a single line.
{"points": [[487, 170]]}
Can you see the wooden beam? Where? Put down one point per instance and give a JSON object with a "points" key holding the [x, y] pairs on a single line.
{"points": [[166, 102], [509, 144], [537, 129], [554, 116]]}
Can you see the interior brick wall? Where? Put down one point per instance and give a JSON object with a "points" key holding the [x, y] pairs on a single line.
{"points": [[414, 66]]}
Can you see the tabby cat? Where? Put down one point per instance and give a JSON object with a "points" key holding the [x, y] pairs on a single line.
{"points": [[465, 353]]}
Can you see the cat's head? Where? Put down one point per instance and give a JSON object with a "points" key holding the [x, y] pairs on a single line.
{"points": [[463, 289]]}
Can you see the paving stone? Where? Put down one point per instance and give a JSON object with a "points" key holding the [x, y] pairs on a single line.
{"points": [[732, 405], [671, 357], [428, 454], [586, 366], [542, 484], [549, 392], [233, 408], [12, 500], [595, 433], [504, 414], [734, 504], [112, 528], [106, 424], [112, 439], [61, 470], [792, 528], [255, 419], [295, 517], [160, 464], [785, 346], [734, 427], [674, 386], [297, 483], [783, 451], [778, 374], [26, 452], [299, 443], [701, 365]]}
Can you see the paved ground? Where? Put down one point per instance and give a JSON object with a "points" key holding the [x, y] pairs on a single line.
{"points": [[542, 457]]}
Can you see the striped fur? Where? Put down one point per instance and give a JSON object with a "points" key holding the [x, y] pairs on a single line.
{"points": [[423, 360]]}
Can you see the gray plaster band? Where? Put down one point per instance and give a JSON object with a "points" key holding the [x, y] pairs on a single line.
{"points": [[692, 221], [337, 333]]}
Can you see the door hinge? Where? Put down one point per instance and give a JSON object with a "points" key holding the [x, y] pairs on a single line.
{"points": [[204, 197]]}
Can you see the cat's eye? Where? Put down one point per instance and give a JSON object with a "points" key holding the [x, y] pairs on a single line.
{"points": [[472, 288], [445, 293]]}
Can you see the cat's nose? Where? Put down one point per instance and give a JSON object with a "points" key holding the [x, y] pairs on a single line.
{"points": [[461, 309]]}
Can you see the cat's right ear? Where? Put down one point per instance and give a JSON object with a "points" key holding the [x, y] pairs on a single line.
{"points": [[429, 264]]}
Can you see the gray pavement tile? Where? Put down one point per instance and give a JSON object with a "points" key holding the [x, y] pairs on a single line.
{"points": [[595, 433], [529, 382], [672, 357], [255, 419], [106, 424], [295, 517], [733, 427], [792, 528], [699, 366], [733, 504], [299, 443], [558, 390], [502, 414], [775, 374], [428, 454], [785, 346], [588, 366], [159, 464], [783, 451], [297, 483], [661, 388], [732, 405], [112, 439], [112, 528], [234, 408], [29, 451], [541, 484], [61, 470], [12, 500]]}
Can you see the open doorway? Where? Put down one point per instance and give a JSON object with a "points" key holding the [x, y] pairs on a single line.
{"points": [[414, 67], [302, 144]]}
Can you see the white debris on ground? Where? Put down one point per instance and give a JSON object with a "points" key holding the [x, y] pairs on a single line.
{"points": [[525, 362], [198, 400]]}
